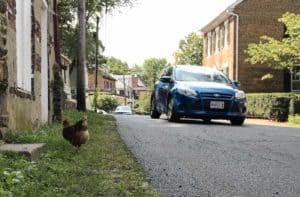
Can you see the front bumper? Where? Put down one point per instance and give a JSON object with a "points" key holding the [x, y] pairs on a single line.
{"points": [[199, 107]]}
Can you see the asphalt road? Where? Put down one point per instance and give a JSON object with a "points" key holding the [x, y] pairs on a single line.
{"points": [[196, 159]]}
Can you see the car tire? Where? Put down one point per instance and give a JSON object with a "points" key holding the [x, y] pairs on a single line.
{"points": [[154, 114], [171, 114], [237, 121]]}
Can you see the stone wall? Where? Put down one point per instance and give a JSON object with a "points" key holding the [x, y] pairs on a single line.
{"points": [[22, 110], [3, 63]]}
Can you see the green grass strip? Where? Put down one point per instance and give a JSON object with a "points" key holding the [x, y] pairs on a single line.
{"points": [[102, 167]]}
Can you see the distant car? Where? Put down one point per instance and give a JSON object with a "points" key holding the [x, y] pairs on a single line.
{"points": [[101, 111], [197, 92], [123, 109]]}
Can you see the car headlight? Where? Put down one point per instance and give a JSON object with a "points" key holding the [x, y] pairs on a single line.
{"points": [[186, 91], [240, 94]]}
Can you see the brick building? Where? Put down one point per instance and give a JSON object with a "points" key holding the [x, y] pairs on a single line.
{"points": [[106, 83], [28, 55], [134, 86], [227, 37]]}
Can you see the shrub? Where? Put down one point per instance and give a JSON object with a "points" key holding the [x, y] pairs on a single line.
{"points": [[274, 106], [106, 102], [142, 105]]}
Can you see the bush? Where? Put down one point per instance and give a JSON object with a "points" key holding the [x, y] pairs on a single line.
{"points": [[274, 106], [106, 102], [142, 105]]}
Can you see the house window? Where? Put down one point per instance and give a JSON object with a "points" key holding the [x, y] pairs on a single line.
{"points": [[208, 44], [65, 76], [23, 40], [213, 44], [217, 39], [226, 36], [296, 78], [221, 37]]}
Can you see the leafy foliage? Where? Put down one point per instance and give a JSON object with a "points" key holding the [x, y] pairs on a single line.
{"points": [[142, 105], [136, 69], [279, 54], [67, 24], [106, 102], [117, 66], [275, 106], [190, 50], [152, 67]]}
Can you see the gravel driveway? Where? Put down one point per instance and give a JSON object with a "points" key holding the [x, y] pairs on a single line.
{"points": [[196, 159]]}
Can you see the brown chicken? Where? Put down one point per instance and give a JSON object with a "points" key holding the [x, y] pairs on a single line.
{"points": [[77, 134]]}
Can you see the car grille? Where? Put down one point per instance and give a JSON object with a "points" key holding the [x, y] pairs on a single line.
{"points": [[216, 95], [235, 108], [196, 105], [208, 109]]}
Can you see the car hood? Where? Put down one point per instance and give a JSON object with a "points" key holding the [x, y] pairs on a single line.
{"points": [[208, 87]]}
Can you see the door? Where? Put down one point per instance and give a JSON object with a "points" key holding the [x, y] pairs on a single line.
{"points": [[44, 62], [163, 90]]}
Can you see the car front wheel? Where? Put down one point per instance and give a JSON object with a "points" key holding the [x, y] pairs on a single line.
{"points": [[237, 121], [154, 114], [171, 114]]}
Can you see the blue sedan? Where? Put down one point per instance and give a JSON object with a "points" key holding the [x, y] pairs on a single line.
{"points": [[197, 92]]}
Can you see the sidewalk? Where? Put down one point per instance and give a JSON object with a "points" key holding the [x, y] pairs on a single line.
{"points": [[267, 123]]}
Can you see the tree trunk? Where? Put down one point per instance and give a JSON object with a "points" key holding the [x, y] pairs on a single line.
{"points": [[81, 105]]}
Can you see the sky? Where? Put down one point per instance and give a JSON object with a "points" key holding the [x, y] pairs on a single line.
{"points": [[153, 28]]}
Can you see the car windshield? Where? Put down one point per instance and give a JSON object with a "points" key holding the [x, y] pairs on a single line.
{"points": [[201, 74]]}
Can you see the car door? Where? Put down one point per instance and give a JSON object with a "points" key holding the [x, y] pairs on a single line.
{"points": [[163, 89]]}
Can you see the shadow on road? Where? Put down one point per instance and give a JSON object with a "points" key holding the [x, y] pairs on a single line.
{"points": [[202, 122]]}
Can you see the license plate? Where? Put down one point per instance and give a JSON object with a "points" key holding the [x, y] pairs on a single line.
{"points": [[216, 105]]}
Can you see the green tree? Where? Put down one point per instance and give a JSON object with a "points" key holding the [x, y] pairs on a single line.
{"points": [[142, 105], [152, 68], [190, 50], [116, 66], [278, 54], [136, 69], [68, 29]]}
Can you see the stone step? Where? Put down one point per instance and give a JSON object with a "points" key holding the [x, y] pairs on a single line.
{"points": [[31, 151]]}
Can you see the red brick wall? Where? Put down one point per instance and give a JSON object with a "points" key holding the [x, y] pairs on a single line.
{"points": [[101, 84], [135, 81], [225, 55], [256, 18]]}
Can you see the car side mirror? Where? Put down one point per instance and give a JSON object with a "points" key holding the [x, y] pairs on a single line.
{"points": [[236, 84], [166, 79]]}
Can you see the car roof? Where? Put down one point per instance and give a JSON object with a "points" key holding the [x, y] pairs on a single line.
{"points": [[191, 67]]}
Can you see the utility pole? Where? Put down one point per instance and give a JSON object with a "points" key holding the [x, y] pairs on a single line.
{"points": [[81, 105], [96, 56], [96, 64], [124, 89]]}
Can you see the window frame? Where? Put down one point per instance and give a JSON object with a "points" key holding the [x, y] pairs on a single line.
{"points": [[294, 78], [226, 33], [24, 45]]}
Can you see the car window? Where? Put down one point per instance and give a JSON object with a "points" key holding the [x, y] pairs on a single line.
{"points": [[203, 75]]}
